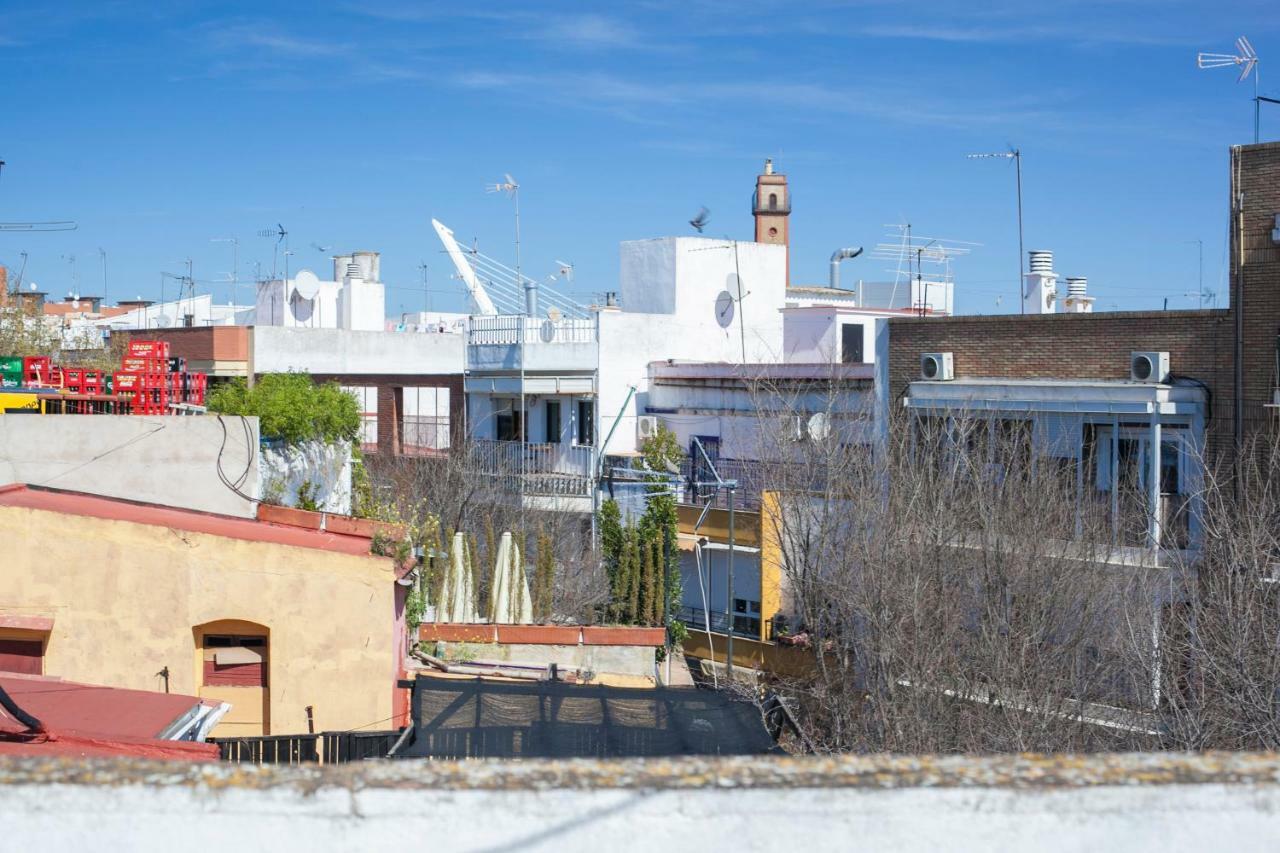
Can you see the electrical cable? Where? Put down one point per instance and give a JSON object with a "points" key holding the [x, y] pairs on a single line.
{"points": [[235, 485]]}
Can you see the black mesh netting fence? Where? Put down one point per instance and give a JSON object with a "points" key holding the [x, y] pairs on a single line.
{"points": [[487, 719]]}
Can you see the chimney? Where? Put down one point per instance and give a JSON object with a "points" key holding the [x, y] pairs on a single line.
{"points": [[1078, 300], [1040, 285]]}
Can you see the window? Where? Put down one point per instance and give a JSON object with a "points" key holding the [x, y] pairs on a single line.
{"points": [[586, 422], [773, 201], [235, 661], [22, 655], [746, 617], [553, 421], [507, 423], [367, 398], [424, 420], [852, 337]]}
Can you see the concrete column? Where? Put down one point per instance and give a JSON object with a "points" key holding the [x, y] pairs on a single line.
{"points": [[1153, 481]]}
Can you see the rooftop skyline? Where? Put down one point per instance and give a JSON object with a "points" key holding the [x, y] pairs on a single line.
{"points": [[160, 130]]}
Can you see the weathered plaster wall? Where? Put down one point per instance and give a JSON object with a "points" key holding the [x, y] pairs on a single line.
{"points": [[124, 598], [172, 461], [324, 468]]}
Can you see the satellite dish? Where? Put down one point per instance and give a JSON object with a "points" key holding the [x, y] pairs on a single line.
{"points": [[554, 315], [724, 309], [819, 426], [548, 331], [163, 321], [306, 284]]}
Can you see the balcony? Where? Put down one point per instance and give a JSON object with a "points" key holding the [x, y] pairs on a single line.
{"points": [[508, 343], [745, 625], [550, 470]]}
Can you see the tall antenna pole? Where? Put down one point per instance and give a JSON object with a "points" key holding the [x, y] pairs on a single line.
{"points": [[1022, 255], [1015, 155], [103, 254], [426, 294]]}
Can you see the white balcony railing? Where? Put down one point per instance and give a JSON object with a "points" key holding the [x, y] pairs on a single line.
{"points": [[507, 330], [534, 469]]}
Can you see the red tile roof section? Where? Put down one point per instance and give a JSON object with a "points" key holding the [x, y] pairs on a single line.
{"points": [[94, 506]]}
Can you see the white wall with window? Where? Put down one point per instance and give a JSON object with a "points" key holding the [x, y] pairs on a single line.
{"points": [[424, 419], [367, 399]]}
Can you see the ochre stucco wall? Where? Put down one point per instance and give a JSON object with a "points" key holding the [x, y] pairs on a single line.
{"points": [[125, 598]]}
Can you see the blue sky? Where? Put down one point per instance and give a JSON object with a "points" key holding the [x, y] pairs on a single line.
{"points": [[354, 123]]}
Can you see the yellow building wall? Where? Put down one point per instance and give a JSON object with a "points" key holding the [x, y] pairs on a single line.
{"points": [[751, 654], [125, 599], [770, 560], [758, 529]]}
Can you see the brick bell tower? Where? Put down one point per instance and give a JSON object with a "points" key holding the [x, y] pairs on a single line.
{"points": [[771, 206]]}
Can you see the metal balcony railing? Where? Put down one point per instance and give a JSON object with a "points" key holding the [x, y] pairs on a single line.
{"points": [[535, 469], [507, 330], [744, 625]]}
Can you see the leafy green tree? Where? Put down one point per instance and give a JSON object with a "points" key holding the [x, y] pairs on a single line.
{"points": [[290, 407]]}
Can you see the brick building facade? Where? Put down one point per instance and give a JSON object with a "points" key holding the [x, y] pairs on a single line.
{"points": [[1224, 348]]}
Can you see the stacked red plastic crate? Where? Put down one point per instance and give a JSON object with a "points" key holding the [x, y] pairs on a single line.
{"points": [[154, 380]]}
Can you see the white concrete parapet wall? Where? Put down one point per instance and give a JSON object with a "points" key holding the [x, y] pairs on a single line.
{"points": [[1142, 802], [343, 351], [166, 460], [324, 468]]}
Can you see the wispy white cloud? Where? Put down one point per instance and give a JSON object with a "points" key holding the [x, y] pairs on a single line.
{"points": [[265, 36], [588, 31], [650, 100]]}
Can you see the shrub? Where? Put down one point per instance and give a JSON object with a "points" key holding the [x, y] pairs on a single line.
{"points": [[290, 407]]}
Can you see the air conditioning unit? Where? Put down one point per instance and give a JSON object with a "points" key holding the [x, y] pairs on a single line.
{"points": [[937, 366], [646, 427], [1149, 367]]}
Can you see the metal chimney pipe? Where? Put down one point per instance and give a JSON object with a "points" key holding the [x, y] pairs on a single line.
{"points": [[531, 297], [836, 257]]}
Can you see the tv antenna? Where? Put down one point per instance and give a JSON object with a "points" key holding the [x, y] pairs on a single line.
{"points": [[1247, 59], [17, 285], [910, 252], [282, 236], [75, 275], [512, 189]]}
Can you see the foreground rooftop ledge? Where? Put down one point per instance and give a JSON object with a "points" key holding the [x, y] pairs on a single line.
{"points": [[858, 772]]}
